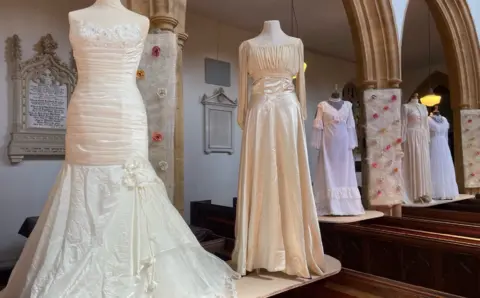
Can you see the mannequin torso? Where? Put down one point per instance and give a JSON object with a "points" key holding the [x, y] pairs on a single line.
{"points": [[108, 13], [273, 35], [335, 100]]}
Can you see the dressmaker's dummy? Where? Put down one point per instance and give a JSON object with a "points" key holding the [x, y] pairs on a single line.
{"points": [[109, 13], [444, 184], [276, 223], [334, 135], [416, 161]]}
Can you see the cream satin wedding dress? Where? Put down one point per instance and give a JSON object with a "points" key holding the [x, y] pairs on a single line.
{"points": [[276, 223], [108, 229]]}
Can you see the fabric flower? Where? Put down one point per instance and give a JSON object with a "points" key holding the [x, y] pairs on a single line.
{"points": [[469, 121], [163, 165], [379, 192], [395, 170], [374, 165], [385, 108], [399, 141], [388, 147], [157, 137], [394, 98], [140, 74], [156, 51], [137, 174], [472, 174], [375, 116]]}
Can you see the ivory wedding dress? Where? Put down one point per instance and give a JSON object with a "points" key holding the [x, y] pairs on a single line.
{"points": [[108, 228], [276, 222]]}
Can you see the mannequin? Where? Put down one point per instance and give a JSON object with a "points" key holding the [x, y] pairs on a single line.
{"points": [[108, 228], [275, 207], [334, 135], [416, 162], [444, 183], [109, 13], [335, 99]]}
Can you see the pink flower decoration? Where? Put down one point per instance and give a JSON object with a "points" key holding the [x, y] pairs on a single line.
{"points": [[399, 141], [469, 121], [375, 116], [157, 137], [385, 108], [388, 147], [379, 192], [395, 170], [478, 153], [374, 165], [472, 174], [394, 97], [156, 51]]}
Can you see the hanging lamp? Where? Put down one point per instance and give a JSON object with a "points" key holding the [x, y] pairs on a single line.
{"points": [[431, 99], [292, 16]]}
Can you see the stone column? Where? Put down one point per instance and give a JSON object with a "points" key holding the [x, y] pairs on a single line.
{"points": [[180, 14]]}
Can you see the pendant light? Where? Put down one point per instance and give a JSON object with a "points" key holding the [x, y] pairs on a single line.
{"points": [[431, 99], [292, 17]]}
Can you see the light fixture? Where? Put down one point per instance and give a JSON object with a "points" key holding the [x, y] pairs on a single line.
{"points": [[304, 69], [431, 99], [292, 17]]}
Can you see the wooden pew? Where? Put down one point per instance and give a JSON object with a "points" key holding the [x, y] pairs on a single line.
{"points": [[453, 216]]}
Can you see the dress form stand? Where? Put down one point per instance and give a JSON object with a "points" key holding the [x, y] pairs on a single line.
{"points": [[416, 162], [444, 182], [275, 208]]}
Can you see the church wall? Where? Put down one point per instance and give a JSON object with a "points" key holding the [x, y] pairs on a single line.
{"points": [[24, 188], [215, 176]]}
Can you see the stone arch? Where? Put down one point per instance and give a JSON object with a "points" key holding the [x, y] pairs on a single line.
{"points": [[376, 42], [461, 49]]}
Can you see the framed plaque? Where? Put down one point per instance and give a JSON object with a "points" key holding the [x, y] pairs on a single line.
{"points": [[219, 122], [42, 87]]}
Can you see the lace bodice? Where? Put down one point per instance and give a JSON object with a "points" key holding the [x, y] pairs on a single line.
{"points": [[261, 61], [438, 128]]}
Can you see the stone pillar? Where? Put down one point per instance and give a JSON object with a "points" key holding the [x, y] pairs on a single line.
{"points": [[180, 13]]}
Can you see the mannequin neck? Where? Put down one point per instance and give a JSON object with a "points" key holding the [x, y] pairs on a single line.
{"points": [[334, 99], [271, 28], [414, 100], [109, 3]]}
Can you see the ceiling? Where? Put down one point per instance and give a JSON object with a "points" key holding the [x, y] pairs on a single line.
{"points": [[322, 25]]}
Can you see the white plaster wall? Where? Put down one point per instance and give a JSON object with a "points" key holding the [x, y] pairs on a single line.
{"points": [[215, 176]]}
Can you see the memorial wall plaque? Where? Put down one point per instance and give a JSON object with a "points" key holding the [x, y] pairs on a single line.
{"points": [[219, 122], [42, 89]]}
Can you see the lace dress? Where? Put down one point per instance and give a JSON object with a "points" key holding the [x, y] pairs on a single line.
{"points": [[276, 222], [444, 182], [336, 187], [416, 161], [108, 228]]}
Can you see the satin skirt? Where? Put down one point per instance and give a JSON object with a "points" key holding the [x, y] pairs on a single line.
{"points": [[276, 223]]}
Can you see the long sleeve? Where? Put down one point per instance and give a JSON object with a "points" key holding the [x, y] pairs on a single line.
{"points": [[404, 120], [300, 82], [352, 131], [317, 130], [242, 85]]}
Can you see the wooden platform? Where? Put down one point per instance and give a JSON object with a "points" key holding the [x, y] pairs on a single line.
{"points": [[369, 214], [268, 284], [440, 202]]}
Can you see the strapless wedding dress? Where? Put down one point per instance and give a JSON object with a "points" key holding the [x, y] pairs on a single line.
{"points": [[108, 228]]}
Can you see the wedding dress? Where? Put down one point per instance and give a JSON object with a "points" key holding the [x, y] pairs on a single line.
{"points": [[108, 228], [276, 222], [335, 186], [444, 182], [416, 161]]}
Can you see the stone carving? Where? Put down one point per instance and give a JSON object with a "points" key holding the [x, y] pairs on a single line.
{"points": [[42, 89], [219, 122]]}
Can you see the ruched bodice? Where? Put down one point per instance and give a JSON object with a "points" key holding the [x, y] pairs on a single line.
{"points": [[115, 129]]}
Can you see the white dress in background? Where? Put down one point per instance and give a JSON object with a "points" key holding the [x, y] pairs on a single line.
{"points": [[335, 184], [416, 161], [444, 182], [276, 222], [108, 229]]}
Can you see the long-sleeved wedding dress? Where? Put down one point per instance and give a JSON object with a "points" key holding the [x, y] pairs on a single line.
{"points": [[108, 228]]}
